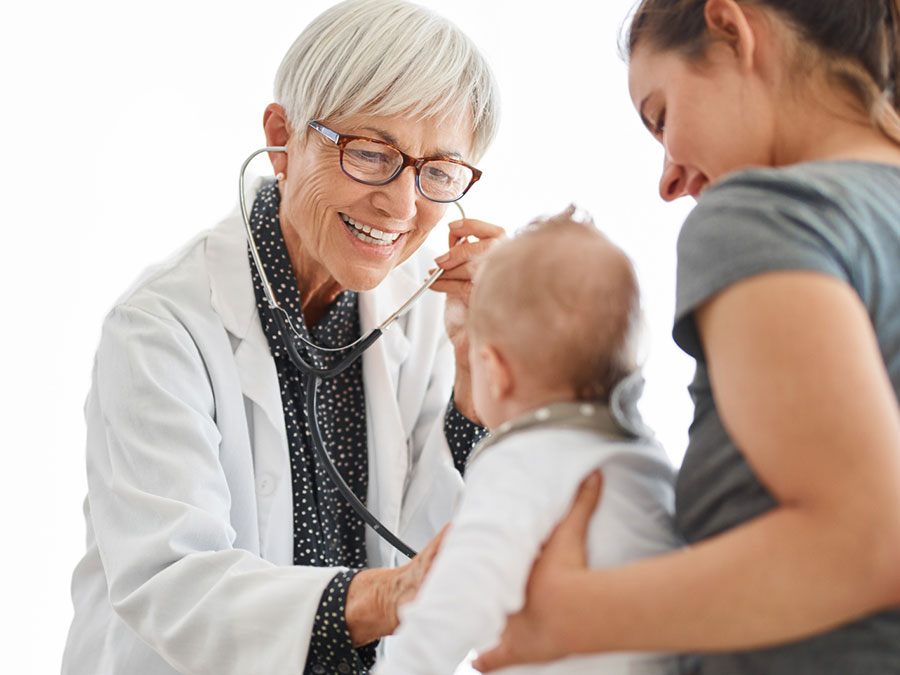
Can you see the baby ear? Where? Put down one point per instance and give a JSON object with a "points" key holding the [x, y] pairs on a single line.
{"points": [[501, 381]]}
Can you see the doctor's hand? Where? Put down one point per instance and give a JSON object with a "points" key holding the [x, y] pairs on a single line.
{"points": [[375, 595], [460, 264], [538, 632]]}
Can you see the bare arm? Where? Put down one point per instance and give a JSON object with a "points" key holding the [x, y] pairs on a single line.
{"points": [[801, 387]]}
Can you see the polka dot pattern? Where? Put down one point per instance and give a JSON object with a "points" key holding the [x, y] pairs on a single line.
{"points": [[462, 435], [330, 649], [327, 532]]}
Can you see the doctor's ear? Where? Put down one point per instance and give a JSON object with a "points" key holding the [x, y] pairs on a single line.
{"points": [[278, 132]]}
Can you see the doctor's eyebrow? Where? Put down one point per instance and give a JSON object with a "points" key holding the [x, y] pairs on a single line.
{"points": [[393, 141]]}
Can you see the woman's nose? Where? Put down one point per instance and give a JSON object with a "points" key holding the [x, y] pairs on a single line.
{"points": [[673, 182], [398, 198]]}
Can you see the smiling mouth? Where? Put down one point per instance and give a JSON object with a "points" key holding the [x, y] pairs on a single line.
{"points": [[369, 235]]}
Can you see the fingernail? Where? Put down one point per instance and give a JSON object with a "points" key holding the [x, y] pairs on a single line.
{"points": [[443, 258], [456, 224]]}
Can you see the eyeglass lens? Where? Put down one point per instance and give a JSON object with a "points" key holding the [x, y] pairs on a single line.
{"points": [[376, 164]]}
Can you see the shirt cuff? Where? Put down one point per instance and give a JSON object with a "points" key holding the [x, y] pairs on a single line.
{"points": [[331, 650], [462, 435]]}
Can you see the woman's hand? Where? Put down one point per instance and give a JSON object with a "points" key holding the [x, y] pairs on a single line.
{"points": [[460, 264], [538, 632], [375, 595]]}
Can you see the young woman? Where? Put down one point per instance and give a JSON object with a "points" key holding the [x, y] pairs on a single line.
{"points": [[781, 118]]}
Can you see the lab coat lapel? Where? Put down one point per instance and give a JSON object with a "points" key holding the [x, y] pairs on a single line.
{"points": [[388, 431], [235, 301]]}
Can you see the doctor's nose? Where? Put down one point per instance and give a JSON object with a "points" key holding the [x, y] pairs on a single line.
{"points": [[398, 199]]}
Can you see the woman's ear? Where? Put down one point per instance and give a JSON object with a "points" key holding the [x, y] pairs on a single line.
{"points": [[278, 132], [728, 22]]}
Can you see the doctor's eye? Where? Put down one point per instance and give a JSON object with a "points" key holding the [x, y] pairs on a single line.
{"points": [[436, 175], [363, 156]]}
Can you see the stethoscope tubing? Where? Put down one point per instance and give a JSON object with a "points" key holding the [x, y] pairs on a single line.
{"points": [[311, 386]]}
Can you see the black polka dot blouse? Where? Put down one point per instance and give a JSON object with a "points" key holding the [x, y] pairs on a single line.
{"points": [[327, 532]]}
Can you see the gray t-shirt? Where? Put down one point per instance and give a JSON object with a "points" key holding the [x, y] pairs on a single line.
{"points": [[841, 218]]}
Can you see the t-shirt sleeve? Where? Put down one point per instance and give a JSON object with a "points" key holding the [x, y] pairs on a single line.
{"points": [[753, 223]]}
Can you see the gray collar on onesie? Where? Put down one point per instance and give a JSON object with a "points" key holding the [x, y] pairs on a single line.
{"points": [[617, 420]]}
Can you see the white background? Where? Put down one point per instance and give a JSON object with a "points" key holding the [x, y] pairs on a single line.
{"points": [[123, 127]]}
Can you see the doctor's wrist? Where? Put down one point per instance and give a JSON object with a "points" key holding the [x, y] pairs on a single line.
{"points": [[371, 608]]}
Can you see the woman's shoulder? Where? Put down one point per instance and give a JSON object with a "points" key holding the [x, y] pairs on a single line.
{"points": [[827, 204], [845, 185], [826, 217]]}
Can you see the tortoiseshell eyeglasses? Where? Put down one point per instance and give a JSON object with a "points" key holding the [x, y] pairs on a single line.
{"points": [[374, 162]]}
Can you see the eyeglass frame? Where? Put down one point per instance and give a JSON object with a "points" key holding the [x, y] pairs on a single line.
{"points": [[341, 140]]}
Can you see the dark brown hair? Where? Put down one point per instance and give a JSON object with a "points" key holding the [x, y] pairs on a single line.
{"points": [[859, 41]]}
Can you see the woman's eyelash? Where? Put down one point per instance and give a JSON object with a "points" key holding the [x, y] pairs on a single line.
{"points": [[660, 124]]}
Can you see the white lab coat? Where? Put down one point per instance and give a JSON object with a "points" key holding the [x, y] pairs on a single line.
{"points": [[189, 509]]}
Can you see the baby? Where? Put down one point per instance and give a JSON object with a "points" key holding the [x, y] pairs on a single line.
{"points": [[553, 325]]}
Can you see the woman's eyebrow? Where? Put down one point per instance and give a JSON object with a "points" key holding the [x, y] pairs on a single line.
{"points": [[643, 115]]}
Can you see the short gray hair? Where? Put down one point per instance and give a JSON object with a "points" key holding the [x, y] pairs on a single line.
{"points": [[387, 57]]}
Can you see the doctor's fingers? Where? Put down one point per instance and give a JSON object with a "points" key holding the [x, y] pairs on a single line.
{"points": [[465, 252], [472, 227], [412, 574], [427, 554], [457, 288]]}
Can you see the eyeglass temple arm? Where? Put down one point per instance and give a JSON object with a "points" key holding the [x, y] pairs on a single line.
{"points": [[332, 136]]}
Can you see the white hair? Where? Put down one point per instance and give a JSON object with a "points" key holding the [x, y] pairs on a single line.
{"points": [[387, 57]]}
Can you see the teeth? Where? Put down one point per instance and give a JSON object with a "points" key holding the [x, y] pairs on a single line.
{"points": [[375, 236]]}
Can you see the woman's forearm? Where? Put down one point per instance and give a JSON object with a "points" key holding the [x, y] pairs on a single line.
{"points": [[770, 581]]}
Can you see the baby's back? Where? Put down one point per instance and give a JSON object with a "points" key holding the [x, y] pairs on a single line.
{"points": [[633, 520], [518, 488]]}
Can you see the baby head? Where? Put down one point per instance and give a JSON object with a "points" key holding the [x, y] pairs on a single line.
{"points": [[553, 316]]}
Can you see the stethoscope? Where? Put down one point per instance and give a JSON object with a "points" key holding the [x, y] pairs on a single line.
{"points": [[314, 375]]}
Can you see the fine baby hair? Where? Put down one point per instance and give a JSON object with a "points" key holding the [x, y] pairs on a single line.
{"points": [[857, 42], [561, 298]]}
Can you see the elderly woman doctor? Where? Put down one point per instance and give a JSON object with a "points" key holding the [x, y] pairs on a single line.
{"points": [[216, 542]]}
